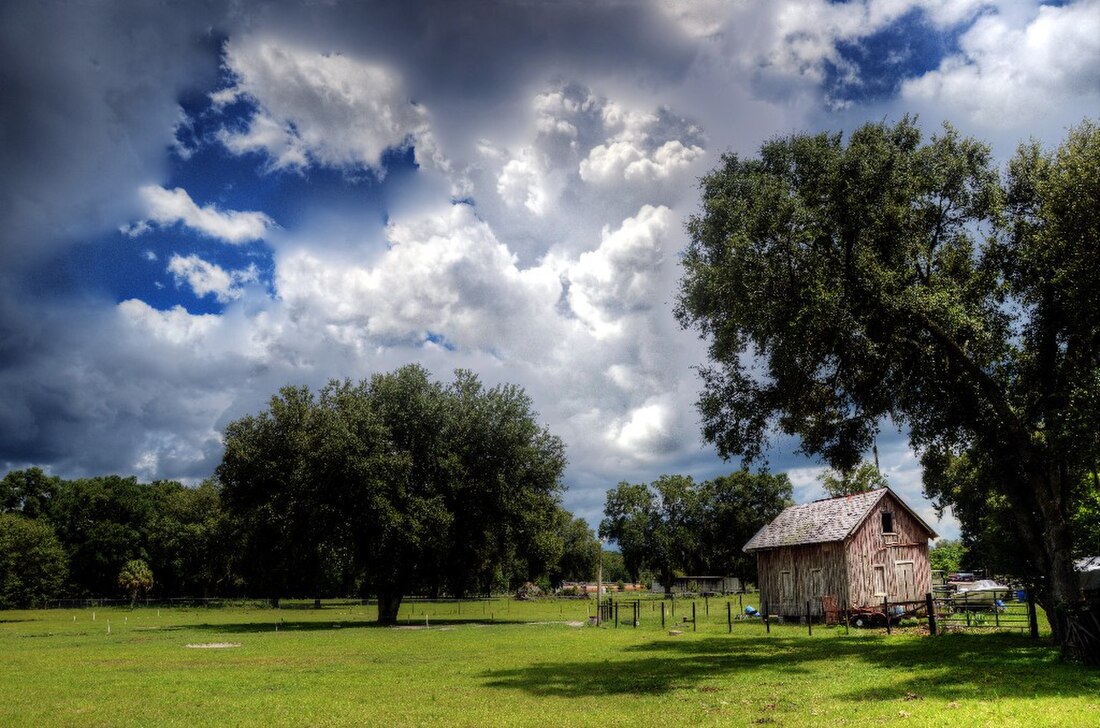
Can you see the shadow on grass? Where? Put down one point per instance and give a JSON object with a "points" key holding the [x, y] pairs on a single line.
{"points": [[323, 625], [948, 667]]}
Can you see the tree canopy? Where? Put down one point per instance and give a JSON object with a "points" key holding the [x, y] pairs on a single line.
{"points": [[842, 285], [416, 485], [32, 563], [676, 525], [860, 479]]}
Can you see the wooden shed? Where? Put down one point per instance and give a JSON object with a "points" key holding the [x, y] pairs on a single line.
{"points": [[858, 548]]}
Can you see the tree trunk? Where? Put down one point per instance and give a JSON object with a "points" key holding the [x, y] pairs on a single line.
{"points": [[1059, 594], [389, 602], [1061, 589]]}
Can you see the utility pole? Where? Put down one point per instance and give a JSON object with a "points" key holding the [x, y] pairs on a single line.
{"points": [[599, 585]]}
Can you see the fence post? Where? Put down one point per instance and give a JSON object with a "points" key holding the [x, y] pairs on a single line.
{"points": [[809, 621], [616, 615], [662, 615], [931, 606], [1032, 617], [706, 605], [767, 623], [886, 611], [729, 617], [693, 622]]}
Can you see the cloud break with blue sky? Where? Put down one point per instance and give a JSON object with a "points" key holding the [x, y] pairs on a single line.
{"points": [[203, 202]]}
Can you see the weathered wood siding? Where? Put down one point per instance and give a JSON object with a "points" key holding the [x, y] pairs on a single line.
{"points": [[868, 548], [787, 595]]}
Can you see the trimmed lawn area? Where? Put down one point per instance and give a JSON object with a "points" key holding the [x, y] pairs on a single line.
{"points": [[531, 665]]}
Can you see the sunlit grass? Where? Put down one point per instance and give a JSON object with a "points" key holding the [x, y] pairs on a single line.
{"points": [[513, 663]]}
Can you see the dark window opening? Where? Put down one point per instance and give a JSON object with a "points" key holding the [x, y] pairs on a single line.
{"points": [[887, 522]]}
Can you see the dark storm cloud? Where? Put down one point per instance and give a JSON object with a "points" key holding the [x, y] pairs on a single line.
{"points": [[90, 100]]}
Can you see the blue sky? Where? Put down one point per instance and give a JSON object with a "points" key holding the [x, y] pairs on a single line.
{"points": [[201, 205]]}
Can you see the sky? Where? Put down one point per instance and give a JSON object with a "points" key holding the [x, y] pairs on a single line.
{"points": [[204, 202]]}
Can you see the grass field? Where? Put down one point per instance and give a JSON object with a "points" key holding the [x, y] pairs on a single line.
{"points": [[530, 665]]}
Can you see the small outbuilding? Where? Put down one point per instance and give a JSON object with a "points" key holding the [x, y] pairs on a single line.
{"points": [[857, 548]]}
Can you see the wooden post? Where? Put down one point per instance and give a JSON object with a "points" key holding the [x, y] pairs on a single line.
{"points": [[809, 620], [729, 617], [1032, 617], [767, 622], [706, 605], [886, 611], [616, 615], [931, 606], [693, 623], [662, 615]]}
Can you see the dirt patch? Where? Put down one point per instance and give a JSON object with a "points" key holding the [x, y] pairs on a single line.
{"points": [[213, 645]]}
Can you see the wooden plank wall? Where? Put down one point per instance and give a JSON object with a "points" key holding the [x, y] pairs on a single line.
{"points": [[801, 561], [868, 547]]}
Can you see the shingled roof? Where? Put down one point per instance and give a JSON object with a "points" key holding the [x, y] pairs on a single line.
{"points": [[822, 521]]}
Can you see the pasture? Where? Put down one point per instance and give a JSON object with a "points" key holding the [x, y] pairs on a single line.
{"points": [[515, 663]]}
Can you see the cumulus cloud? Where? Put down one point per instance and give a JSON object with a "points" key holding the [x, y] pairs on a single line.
{"points": [[618, 278], [168, 207], [1010, 73], [624, 161], [524, 181], [324, 108], [443, 274], [580, 140], [575, 156], [206, 278], [175, 326]]}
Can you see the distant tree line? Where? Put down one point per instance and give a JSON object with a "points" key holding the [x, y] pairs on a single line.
{"points": [[398, 485], [676, 526]]}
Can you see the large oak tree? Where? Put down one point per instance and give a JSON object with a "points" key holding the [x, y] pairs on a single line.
{"points": [[841, 285], [422, 487]]}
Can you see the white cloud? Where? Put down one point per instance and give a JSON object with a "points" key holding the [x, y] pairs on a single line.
{"points": [[579, 138], [698, 18], [523, 181], [624, 161], [324, 108], [167, 207], [618, 278], [207, 278], [1008, 74], [175, 326], [443, 274], [646, 432]]}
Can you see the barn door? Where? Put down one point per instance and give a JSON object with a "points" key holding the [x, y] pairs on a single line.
{"points": [[786, 591], [906, 580]]}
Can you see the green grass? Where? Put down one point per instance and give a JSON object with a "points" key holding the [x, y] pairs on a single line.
{"points": [[527, 667]]}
